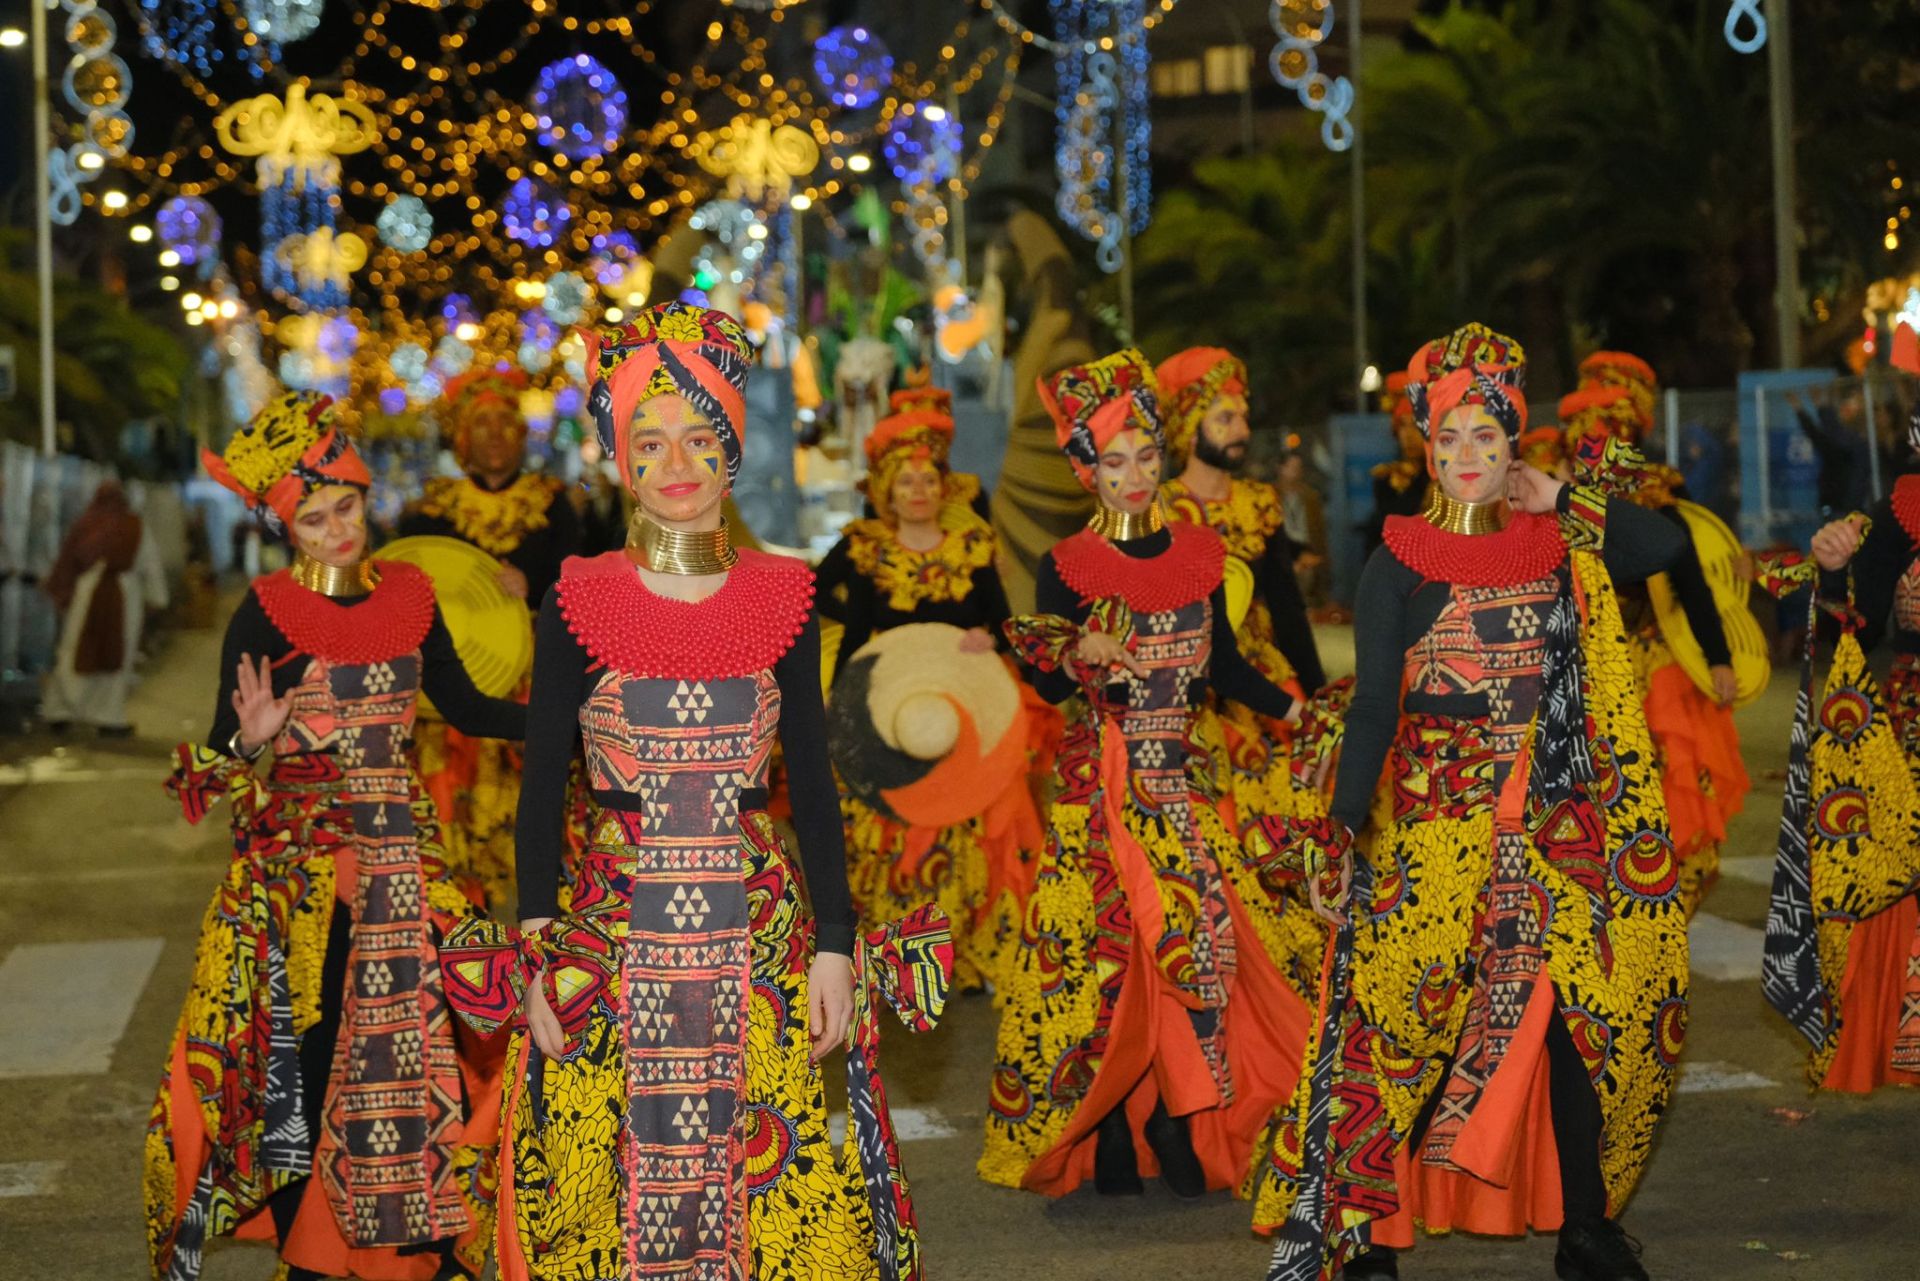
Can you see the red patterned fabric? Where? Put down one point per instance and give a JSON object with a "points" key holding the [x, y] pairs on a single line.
{"points": [[1187, 572], [391, 622], [1529, 548], [744, 627], [487, 967]]}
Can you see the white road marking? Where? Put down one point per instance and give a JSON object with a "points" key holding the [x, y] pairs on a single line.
{"points": [[65, 1005], [68, 769], [1713, 1076], [910, 1125], [1724, 950], [1754, 869], [29, 1178]]}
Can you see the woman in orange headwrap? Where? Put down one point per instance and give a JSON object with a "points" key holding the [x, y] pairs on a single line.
{"points": [[1147, 1022], [316, 1094], [926, 556], [672, 1002], [1504, 1000], [1702, 773]]}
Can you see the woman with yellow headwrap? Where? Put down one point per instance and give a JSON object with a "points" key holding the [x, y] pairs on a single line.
{"points": [[926, 556], [1147, 1023], [317, 1095]]}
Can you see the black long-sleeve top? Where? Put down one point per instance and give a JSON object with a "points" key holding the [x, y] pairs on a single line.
{"points": [[1395, 607], [862, 611], [1883, 558], [1690, 589], [1228, 671], [1279, 587], [563, 676], [443, 677], [539, 554]]}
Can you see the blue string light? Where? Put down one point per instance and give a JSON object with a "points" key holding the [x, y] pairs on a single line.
{"points": [[189, 226], [853, 66], [922, 144], [198, 35], [1095, 89], [1746, 26], [580, 107]]}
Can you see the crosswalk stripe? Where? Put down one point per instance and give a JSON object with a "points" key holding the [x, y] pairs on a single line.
{"points": [[1712, 1077], [65, 1005], [1723, 949], [28, 1178]]}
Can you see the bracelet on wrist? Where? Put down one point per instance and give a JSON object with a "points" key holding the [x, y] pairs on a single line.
{"points": [[234, 747]]}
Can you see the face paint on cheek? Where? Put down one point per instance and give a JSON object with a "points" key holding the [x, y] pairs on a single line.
{"points": [[642, 468], [711, 459]]}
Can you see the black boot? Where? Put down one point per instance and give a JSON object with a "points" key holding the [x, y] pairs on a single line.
{"points": [[1116, 1171], [1179, 1167], [1597, 1250], [1376, 1263]]}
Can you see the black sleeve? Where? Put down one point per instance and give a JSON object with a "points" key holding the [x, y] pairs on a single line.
{"points": [[1280, 588], [1379, 612], [553, 729], [1232, 676], [830, 581], [856, 618], [561, 539], [413, 522], [990, 599], [814, 793], [1053, 596], [1638, 543], [250, 635], [444, 679], [1882, 558], [1690, 588]]}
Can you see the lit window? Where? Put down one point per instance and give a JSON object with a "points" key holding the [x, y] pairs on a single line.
{"points": [[1176, 78], [1229, 68]]}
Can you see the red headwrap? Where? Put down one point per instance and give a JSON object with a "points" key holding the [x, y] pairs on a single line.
{"points": [[670, 349], [1606, 410], [1190, 381], [1093, 403], [915, 431], [1621, 369], [473, 390], [291, 448], [1471, 366]]}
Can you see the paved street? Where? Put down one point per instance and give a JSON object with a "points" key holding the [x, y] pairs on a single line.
{"points": [[102, 886]]}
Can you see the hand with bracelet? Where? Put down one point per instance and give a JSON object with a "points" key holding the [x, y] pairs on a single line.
{"points": [[262, 716], [1327, 861]]}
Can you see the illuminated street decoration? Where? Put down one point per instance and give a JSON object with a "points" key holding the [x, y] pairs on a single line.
{"points": [[853, 65], [534, 212], [1100, 95], [580, 107], [298, 143], [1303, 26], [757, 157], [1746, 26], [406, 224]]}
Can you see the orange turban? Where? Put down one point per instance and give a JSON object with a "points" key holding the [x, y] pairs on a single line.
{"points": [[472, 391], [1190, 381], [918, 430], [1602, 409], [670, 349], [1621, 369], [1471, 366]]}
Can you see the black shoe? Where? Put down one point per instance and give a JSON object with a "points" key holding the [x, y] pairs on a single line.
{"points": [[1597, 1250], [1116, 1170], [116, 731], [1377, 1263], [1179, 1167]]}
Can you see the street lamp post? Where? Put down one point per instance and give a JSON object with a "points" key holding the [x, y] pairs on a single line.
{"points": [[42, 185], [1786, 226], [1358, 155]]}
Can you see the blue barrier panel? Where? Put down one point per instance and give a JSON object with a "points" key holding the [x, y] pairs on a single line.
{"points": [[1357, 443]]}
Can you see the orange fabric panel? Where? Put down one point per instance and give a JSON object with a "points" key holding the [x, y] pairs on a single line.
{"points": [[1870, 995]]}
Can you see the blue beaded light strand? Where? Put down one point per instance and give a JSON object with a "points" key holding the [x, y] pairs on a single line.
{"points": [[1096, 89], [1745, 27], [1303, 26]]}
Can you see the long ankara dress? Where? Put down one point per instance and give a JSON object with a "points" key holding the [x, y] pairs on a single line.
{"points": [[315, 1040], [1147, 967], [1518, 872], [1843, 929], [685, 1133]]}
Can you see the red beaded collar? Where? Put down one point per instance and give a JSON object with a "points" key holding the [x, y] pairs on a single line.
{"points": [[744, 627], [389, 622], [1906, 505], [1187, 571], [1529, 548]]}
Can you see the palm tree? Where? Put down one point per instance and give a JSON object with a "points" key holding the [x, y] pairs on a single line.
{"points": [[110, 364]]}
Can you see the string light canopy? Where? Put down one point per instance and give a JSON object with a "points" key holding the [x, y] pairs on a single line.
{"points": [[580, 107]]}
